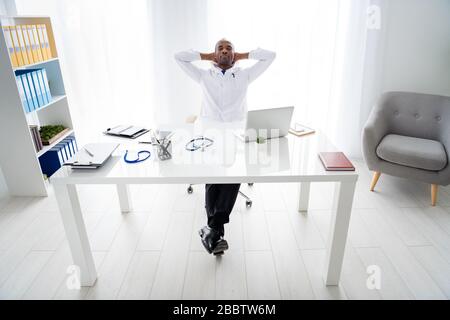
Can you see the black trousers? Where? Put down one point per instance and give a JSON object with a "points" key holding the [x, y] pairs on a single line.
{"points": [[219, 202]]}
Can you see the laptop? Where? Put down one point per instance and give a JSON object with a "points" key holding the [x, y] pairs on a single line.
{"points": [[267, 124]]}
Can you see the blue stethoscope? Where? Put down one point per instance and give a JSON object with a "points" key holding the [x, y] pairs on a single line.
{"points": [[146, 154]]}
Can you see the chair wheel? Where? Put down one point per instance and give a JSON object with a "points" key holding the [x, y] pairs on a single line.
{"points": [[190, 190], [248, 203], [250, 184]]}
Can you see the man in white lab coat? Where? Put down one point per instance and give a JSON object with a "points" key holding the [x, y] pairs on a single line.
{"points": [[224, 88]]}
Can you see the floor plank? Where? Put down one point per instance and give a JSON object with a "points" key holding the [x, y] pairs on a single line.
{"points": [[392, 287], [140, 276], [256, 235], [117, 260], [411, 234], [291, 272], [433, 231], [306, 232], [354, 278], [174, 257], [231, 281], [22, 277], [154, 233], [262, 281], [51, 276], [435, 264], [64, 292], [23, 244], [200, 279], [314, 262], [410, 270]]}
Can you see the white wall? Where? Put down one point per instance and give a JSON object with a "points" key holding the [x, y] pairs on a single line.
{"points": [[417, 49]]}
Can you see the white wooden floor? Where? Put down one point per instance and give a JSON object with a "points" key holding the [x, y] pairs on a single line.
{"points": [[275, 252]]}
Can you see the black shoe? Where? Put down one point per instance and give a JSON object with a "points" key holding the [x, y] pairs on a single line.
{"points": [[212, 240]]}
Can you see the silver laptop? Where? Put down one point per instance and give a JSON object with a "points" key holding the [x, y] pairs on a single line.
{"points": [[267, 124]]}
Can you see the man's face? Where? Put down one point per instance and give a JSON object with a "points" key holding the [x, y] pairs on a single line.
{"points": [[224, 53]]}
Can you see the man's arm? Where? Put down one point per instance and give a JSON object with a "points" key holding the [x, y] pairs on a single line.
{"points": [[185, 59], [265, 59]]}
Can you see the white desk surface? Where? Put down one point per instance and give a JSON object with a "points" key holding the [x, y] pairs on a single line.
{"points": [[228, 160]]}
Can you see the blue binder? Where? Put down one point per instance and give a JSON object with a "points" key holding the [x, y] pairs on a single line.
{"points": [[37, 87], [22, 95], [69, 142], [42, 85], [32, 91], [52, 160], [64, 147], [26, 89], [46, 85], [74, 142]]}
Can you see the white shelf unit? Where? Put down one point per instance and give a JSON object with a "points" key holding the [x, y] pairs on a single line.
{"points": [[18, 158]]}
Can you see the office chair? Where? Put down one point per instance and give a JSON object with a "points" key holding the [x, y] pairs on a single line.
{"points": [[248, 201]]}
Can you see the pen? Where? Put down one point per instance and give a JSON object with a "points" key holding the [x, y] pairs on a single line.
{"points": [[156, 138], [88, 152]]}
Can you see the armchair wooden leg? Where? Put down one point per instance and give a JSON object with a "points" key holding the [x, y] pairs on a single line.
{"points": [[434, 193], [376, 176]]}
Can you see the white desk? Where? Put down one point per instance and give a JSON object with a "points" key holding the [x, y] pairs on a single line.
{"points": [[290, 159]]}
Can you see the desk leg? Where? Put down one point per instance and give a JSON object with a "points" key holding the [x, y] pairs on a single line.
{"points": [[124, 197], [72, 218], [342, 208], [303, 202]]}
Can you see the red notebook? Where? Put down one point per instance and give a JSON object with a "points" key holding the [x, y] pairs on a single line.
{"points": [[336, 161]]}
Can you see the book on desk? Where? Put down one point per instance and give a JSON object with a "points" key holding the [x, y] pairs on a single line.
{"points": [[335, 161]]}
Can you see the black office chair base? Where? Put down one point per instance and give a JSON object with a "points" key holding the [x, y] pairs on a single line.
{"points": [[248, 201]]}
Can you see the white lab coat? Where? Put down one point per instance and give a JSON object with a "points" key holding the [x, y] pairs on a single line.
{"points": [[224, 95]]}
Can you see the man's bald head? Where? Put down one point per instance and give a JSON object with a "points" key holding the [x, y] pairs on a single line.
{"points": [[224, 53]]}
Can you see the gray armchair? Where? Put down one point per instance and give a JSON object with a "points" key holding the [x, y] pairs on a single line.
{"points": [[408, 135]]}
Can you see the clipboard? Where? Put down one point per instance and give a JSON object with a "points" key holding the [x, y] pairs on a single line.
{"points": [[126, 131], [92, 156]]}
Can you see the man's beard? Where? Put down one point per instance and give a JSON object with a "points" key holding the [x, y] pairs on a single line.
{"points": [[225, 61]]}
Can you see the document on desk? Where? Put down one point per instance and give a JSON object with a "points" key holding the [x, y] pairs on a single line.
{"points": [[92, 155]]}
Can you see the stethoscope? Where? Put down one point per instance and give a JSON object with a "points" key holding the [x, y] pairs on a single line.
{"points": [[204, 143], [138, 159]]}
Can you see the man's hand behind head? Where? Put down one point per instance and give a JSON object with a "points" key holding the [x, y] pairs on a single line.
{"points": [[208, 56], [240, 56]]}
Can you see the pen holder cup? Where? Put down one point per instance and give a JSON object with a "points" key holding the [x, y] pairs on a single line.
{"points": [[164, 150]]}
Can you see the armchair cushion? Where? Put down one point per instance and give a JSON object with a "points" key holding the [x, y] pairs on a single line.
{"points": [[413, 152]]}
